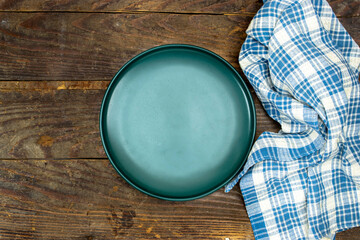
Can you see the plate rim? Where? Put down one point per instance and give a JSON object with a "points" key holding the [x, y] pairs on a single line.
{"points": [[240, 82]]}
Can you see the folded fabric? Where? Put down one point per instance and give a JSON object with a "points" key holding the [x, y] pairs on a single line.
{"points": [[304, 181]]}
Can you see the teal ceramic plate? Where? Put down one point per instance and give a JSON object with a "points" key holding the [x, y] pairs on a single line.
{"points": [[177, 122]]}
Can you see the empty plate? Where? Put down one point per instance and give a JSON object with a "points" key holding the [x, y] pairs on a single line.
{"points": [[177, 122]]}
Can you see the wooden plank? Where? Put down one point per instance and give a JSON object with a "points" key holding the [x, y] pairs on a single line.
{"points": [[83, 46], [50, 119], [342, 8], [182, 6], [87, 199], [69, 46], [59, 119]]}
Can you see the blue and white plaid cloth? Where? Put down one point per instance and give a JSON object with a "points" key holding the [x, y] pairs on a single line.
{"points": [[304, 181]]}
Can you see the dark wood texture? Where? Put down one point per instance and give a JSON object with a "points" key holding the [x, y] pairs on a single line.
{"points": [[84, 46], [56, 59], [341, 8], [86, 199]]}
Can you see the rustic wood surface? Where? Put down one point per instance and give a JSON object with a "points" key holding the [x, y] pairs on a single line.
{"points": [[348, 8], [56, 59], [86, 199], [93, 46]]}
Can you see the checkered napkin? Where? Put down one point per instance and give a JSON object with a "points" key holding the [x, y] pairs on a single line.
{"points": [[304, 181]]}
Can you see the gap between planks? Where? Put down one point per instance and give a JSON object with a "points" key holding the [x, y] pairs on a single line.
{"points": [[128, 12], [247, 14]]}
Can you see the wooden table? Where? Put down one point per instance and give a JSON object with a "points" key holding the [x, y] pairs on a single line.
{"points": [[57, 58]]}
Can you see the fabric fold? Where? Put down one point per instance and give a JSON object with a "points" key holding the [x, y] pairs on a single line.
{"points": [[303, 182]]}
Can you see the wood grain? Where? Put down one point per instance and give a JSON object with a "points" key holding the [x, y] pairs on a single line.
{"points": [[73, 46], [250, 7], [83, 46], [59, 119], [86, 199]]}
